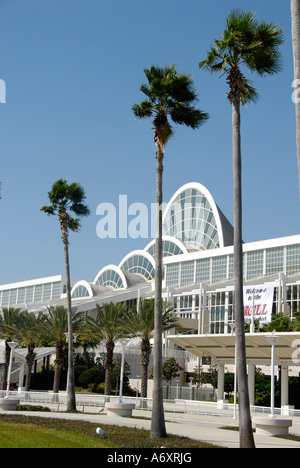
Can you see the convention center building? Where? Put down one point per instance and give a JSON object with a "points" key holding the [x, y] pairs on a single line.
{"points": [[198, 281]]}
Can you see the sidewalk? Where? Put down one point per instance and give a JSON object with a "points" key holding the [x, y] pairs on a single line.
{"points": [[197, 427]]}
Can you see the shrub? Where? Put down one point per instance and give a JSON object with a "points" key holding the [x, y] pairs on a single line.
{"points": [[95, 375], [33, 408]]}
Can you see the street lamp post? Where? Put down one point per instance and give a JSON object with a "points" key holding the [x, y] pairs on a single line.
{"points": [[12, 346], [124, 342], [273, 340]]}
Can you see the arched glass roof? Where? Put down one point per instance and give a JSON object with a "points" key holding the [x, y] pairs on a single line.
{"points": [[111, 276], [194, 219], [171, 247], [82, 289], [140, 263]]}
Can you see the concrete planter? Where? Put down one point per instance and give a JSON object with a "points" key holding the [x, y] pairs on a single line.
{"points": [[8, 404], [272, 426], [123, 410]]}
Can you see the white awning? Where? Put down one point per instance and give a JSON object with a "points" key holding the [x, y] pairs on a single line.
{"points": [[221, 348], [21, 353]]}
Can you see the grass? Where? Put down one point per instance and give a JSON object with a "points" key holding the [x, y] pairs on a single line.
{"points": [[17, 436], [18, 431]]}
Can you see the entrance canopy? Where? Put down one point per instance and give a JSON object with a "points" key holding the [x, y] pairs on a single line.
{"points": [[20, 353], [221, 348]]}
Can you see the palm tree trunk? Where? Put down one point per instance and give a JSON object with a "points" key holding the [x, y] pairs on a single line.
{"points": [[295, 12], [71, 400], [246, 434], [158, 428], [29, 363], [108, 366], [58, 364], [6, 364], [146, 351]]}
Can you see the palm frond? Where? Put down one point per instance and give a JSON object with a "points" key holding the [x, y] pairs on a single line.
{"points": [[64, 197], [169, 94], [188, 115], [74, 224], [245, 42], [143, 110]]}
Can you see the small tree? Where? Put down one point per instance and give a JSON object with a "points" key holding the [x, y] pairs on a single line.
{"points": [[54, 331], [198, 377], [140, 322], [27, 333], [108, 327], [9, 321], [170, 370]]}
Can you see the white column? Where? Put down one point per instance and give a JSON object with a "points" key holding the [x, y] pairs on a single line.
{"points": [[251, 383], [220, 382], [21, 378], [284, 386]]}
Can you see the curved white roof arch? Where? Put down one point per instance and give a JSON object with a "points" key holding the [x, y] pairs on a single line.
{"points": [[140, 263], [117, 271], [82, 286], [193, 217], [167, 239]]}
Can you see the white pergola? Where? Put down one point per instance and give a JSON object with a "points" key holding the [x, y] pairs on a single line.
{"points": [[20, 355], [221, 350]]}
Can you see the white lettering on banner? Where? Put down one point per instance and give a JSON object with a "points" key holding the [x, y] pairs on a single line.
{"points": [[260, 300]]}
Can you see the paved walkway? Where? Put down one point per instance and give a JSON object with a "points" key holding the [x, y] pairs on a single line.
{"points": [[198, 427]]}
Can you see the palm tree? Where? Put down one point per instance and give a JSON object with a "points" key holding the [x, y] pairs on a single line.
{"points": [[140, 322], [54, 330], [169, 95], [254, 45], [9, 319], [295, 12], [108, 326], [27, 332], [64, 199]]}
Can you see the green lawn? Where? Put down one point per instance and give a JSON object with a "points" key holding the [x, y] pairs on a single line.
{"points": [[18, 431], [31, 436]]}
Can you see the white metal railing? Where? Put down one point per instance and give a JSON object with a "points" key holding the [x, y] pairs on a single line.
{"points": [[57, 401]]}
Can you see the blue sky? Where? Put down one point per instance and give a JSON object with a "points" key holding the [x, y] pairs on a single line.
{"points": [[73, 69]]}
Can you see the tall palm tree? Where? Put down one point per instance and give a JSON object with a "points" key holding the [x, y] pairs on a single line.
{"points": [[170, 95], [254, 46], [9, 320], [109, 327], [66, 199], [140, 322], [295, 12], [27, 332], [54, 330]]}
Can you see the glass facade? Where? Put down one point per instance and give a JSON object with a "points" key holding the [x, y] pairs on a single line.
{"points": [[139, 264], [110, 278], [257, 264], [80, 291], [292, 259], [191, 219], [169, 249], [28, 295]]}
